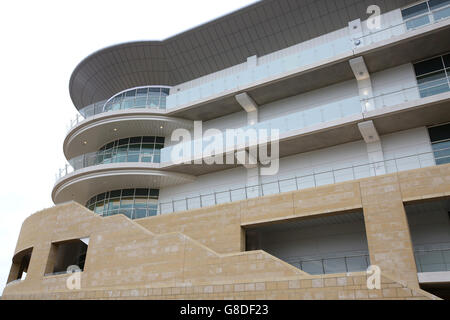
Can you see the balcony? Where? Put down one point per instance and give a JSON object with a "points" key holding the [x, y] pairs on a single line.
{"points": [[313, 180], [286, 73], [318, 127], [148, 97]]}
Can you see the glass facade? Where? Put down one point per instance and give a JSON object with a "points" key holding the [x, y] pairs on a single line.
{"points": [[440, 141], [147, 97], [425, 13], [143, 97], [134, 149], [433, 75], [133, 203]]}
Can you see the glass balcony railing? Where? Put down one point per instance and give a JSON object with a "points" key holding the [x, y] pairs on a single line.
{"points": [[312, 180], [149, 97], [99, 158], [411, 93], [301, 57], [294, 121], [315, 266], [408, 24], [433, 260]]}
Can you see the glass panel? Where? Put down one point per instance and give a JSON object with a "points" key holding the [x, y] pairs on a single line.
{"points": [[335, 265], [99, 208], [140, 203], [127, 192], [115, 193], [141, 102], [159, 140], [355, 264], [140, 213], [432, 84], [127, 202], [312, 267], [428, 66], [142, 92], [435, 4], [130, 93], [441, 14], [447, 60], [439, 133], [141, 192], [148, 139], [154, 193], [415, 11]]}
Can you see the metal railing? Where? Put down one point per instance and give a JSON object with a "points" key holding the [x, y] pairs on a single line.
{"points": [[432, 260], [316, 179]]}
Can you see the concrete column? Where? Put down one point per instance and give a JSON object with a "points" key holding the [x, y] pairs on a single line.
{"points": [[374, 147], [387, 229], [253, 169], [364, 82]]}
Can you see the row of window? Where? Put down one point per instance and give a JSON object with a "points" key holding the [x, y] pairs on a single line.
{"points": [[134, 149], [133, 203], [426, 12], [433, 75], [152, 97]]}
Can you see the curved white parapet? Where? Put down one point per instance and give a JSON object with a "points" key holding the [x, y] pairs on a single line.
{"points": [[82, 184], [92, 133]]}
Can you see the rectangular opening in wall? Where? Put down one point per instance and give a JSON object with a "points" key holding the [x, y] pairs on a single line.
{"points": [[323, 245], [65, 254], [20, 264]]}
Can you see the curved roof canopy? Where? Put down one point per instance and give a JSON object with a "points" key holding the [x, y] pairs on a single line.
{"points": [[258, 29]]}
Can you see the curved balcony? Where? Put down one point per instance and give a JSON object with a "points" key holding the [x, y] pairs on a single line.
{"points": [[135, 149], [147, 97], [80, 185], [93, 133]]}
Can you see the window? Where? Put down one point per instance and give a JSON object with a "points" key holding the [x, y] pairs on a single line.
{"points": [[149, 97], [440, 142], [134, 149], [433, 75], [423, 13], [65, 254], [133, 203]]}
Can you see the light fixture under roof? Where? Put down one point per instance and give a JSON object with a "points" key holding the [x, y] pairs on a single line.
{"points": [[84, 142], [115, 129]]}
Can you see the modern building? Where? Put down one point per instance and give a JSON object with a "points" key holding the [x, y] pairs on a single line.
{"points": [[357, 110]]}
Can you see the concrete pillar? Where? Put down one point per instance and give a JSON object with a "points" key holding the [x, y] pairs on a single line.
{"points": [[374, 147], [387, 228], [364, 82]]}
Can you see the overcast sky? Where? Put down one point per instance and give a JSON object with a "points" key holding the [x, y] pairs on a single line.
{"points": [[41, 44]]}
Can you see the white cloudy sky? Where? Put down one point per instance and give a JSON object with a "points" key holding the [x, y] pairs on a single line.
{"points": [[41, 43]]}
